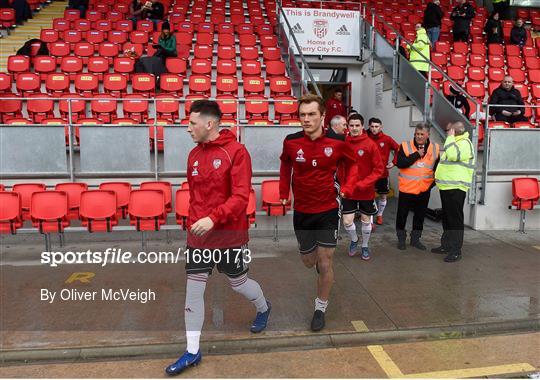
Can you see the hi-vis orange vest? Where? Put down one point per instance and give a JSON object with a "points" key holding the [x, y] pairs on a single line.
{"points": [[418, 177]]}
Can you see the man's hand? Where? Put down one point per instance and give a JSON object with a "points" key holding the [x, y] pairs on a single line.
{"points": [[422, 151], [506, 113], [202, 226], [517, 113], [390, 165], [450, 132]]}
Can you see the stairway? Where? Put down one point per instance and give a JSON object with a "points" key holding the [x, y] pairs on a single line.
{"points": [[31, 29]]}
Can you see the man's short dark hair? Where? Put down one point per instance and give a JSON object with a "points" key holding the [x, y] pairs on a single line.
{"points": [[357, 116], [310, 98], [339, 89], [207, 108], [423, 126], [374, 120]]}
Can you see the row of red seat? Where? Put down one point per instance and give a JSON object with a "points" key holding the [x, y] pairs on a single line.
{"points": [[105, 108], [100, 210]]}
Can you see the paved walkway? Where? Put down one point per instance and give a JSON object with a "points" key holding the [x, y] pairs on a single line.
{"points": [[497, 281]]}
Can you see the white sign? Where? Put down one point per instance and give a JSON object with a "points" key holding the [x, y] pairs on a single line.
{"points": [[325, 31]]}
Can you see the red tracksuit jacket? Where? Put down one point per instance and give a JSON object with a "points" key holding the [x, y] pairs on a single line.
{"points": [[386, 144], [219, 177], [313, 165], [333, 108], [370, 167]]}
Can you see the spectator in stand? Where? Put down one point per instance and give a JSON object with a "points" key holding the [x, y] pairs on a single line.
{"points": [[433, 15], [136, 9], [459, 101], [493, 29], [420, 55], [518, 34], [22, 11], [81, 5], [166, 46], [154, 10], [462, 14], [501, 7], [510, 97], [334, 107]]}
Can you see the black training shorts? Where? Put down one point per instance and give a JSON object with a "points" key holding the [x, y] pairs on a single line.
{"points": [[350, 206], [231, 261], [313, 230]]}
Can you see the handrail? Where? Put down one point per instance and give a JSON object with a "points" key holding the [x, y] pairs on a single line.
{"points": [[299, 50], [431, 64]]}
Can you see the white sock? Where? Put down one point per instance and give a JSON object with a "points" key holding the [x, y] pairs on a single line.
{"points": [[366, 233], [351, 230], [381, 206], [194, 309], [321, 305], [251, 290]]}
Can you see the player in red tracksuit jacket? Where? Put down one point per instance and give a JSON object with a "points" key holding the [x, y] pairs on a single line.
{"points": [[219, 177], [334, 107], [309, 161], [370, 169], [386, 145]]}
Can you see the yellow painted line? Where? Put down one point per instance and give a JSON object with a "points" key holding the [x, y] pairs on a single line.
{"points": [[385, 362], [360, 326], [476, 372]]}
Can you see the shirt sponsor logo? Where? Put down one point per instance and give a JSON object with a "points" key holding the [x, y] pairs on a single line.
{"points": [[300, 156], [360, 152], [381, 144], [195, 167], [328, 151], [216, 163]]}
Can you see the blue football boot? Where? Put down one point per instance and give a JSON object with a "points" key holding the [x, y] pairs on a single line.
{"points": [[185, 361], [365, 253], [261, 320], [352, 248]]}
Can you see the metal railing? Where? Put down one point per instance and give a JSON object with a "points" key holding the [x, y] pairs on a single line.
{"points": [[286, 50]]}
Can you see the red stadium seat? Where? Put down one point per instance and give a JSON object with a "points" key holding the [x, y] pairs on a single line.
{"points": [[226, 67], [41, 108], [7, 18], [10, 212], [456, 73], [103, 107], [529, 51], [165, 187], [523, 89], [517, 75], [61, 25], [135, 107], [98, 210], [71, 66], [205, 27], [201, 66], [227, 85], [147, 209], [226, 39], [495, 49], [199, 84], [512, 51], [98, 66], [253, 85], [49, 211], [138, 37], [10, 108], [525, 192], [523, 124], [458, 59], [514, 62], [93, 15], [84, 50], [477, 60], [534, 76], [247, 40], [104, 25], [124, 26], [476, 74], [117, 37], [72, 14], [249, 53], [181, 206], [123, 191], [460, 48], [25, 191], [115, 84], [18, 64], [476, 89], [145, 26], [496, 74], [271, 203], [228, 105], [203, 52], [78, 106], [440, 59], [268, 41], [256, 106], [478, 48], [274, 68], [144, 84], [48, 35], [286, 107], [5, 84], [226, 53], [83, 26], [442, 47], [124, 65], [108, 50], [271, 54], [204, 39], [167, 107], [86, 84], [73, 191], [155, 130], [496, 61], [72, 37], [251, 68], [532, 63], [176, 65], [172, 83], [28, 83], [59, 50], [19, 121]]}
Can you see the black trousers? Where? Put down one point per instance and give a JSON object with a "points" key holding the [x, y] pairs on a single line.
{"points": [[418, 203], [461, 36], [501, 8], [510, 119], [452, 219]]}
